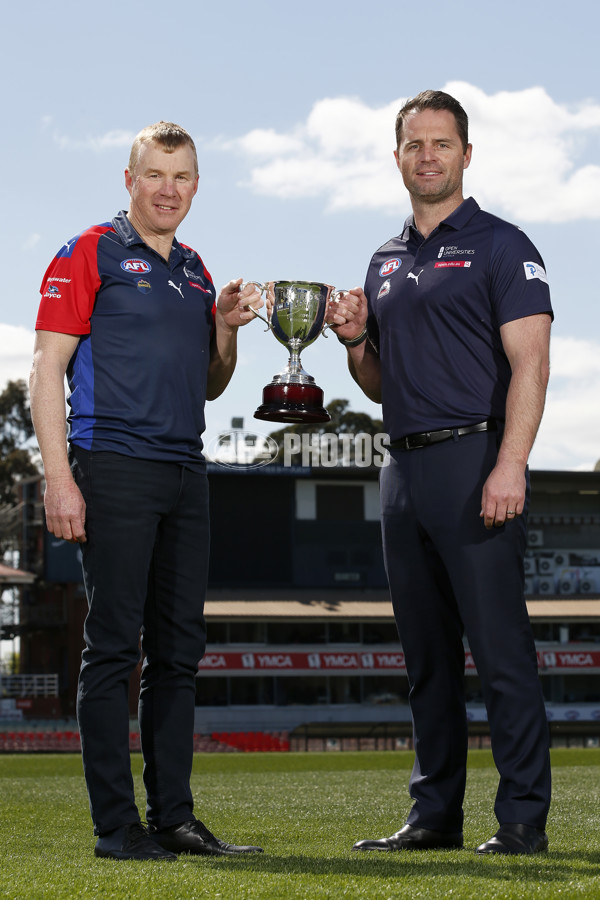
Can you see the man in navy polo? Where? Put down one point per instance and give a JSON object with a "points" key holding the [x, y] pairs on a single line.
{"points": [[129, 315], [451, 335]]}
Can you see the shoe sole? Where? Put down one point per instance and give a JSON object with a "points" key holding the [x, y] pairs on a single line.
{"points": [[410, 847], [117, 855]]}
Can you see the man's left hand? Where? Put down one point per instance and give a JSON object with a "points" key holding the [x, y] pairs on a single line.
{"points": [[234, 305], [503, 496]]}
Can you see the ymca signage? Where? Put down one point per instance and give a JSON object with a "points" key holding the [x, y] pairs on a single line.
{"points": [[316, 662]]}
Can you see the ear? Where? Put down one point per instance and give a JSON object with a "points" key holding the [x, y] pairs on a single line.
{"points": [[468, 153], [128, 180], [396, 157]]}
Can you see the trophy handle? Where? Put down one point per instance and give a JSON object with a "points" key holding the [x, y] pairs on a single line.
{"points": [[335, 295], [260, 287]]}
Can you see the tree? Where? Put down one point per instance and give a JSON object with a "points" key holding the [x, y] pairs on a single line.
{"points": [[16, 463], [16, 430], [344, 421]]}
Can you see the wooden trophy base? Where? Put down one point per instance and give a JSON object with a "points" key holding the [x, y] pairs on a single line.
{"points": [[299, 403]]}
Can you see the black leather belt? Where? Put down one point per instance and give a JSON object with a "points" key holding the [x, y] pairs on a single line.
{"points": [[414, 441]]}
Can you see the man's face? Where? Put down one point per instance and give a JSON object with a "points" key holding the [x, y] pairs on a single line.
{"points": [[162, 187], [430, 156]]}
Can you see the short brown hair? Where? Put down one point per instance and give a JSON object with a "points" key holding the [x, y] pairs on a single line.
{"points": [[436, 100], [168, 135]]}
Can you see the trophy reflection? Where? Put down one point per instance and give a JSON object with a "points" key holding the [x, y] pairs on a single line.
{"points": [[296, 317]]}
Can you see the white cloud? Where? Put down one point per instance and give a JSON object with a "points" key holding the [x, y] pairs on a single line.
{"points": [[569, 436], [17, 350], [116, 138], [530, 155], [112, 140], [266, 142]]}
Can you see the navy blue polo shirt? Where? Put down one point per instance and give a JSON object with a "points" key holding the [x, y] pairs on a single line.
{"points": [[436, 305], [138, 376]]}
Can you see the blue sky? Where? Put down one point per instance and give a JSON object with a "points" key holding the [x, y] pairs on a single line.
{"points": [[292, 108]]}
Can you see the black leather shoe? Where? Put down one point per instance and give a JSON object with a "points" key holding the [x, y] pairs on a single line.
{"points": [[515, 839], [130, 842], [412, 838], [194, 837]]}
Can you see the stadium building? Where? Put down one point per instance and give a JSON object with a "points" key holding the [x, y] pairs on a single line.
{"points": [[300, 627]]}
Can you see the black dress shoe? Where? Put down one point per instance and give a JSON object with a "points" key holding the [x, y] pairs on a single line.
{"points": [[130, 842], [515, 839], [194, 837], [412, 838]]}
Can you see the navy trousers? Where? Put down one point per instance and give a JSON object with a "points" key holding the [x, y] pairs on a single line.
{"points": [[145, 568], [448, 576]]}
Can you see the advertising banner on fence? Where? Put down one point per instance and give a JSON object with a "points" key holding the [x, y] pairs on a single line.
{"points": [[572, 659]]}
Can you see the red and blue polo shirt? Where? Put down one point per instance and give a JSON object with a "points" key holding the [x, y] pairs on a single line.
{"points": [[138, 377]]}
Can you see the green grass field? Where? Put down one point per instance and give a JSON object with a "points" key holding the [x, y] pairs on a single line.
{"points": [[306, 810]]}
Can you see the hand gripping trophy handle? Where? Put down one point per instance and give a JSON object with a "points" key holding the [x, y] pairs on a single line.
{"points": [[296, 316], [261, 288]]}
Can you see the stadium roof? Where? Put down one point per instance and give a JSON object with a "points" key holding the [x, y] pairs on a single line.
{"points": [[369, 604]]}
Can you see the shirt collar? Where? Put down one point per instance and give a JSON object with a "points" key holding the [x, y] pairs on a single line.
{"points": [[456, 220], [130, 237]]}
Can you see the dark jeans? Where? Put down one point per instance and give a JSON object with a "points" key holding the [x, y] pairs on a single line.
{"points": [[449, 575], [145, 568]]}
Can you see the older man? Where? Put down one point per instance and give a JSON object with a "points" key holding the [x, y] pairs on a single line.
{"points": [[129, 315]]}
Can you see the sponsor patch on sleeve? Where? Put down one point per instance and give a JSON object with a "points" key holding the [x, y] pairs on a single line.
{"points": [[533, 270]]}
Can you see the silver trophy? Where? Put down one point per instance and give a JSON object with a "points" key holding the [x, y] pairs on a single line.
{"points": [[296, 317]]}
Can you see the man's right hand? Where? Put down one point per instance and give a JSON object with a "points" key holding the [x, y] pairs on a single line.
{"points": [[65, 511]]}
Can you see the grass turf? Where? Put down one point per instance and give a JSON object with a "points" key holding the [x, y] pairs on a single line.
{"points": [[306, 810]]}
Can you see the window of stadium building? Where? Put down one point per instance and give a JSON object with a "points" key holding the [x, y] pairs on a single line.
{"points": [[379, 633], [316, 690], [340, 503], [302, 691], [217, 633], [247, 633], [344, 632], [385, 689], [345, 690], [572, 688], [212, 691], [283, 633], [252, 691], [289, 633], [563, 633]]}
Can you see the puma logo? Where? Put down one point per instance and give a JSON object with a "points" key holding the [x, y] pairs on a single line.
{"points": [[416, 277]]}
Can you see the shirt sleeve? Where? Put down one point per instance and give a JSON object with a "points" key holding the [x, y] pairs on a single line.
{"points": [[208, 285], [372, 324], [70, 286], [519, 284]]}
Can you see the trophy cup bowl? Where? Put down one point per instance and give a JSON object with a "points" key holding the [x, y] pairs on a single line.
{"points": [[296, 318]]}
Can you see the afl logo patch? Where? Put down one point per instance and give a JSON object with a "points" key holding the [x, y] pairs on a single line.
{"points": [[144, 286], [136, 266], [390, 266]]}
